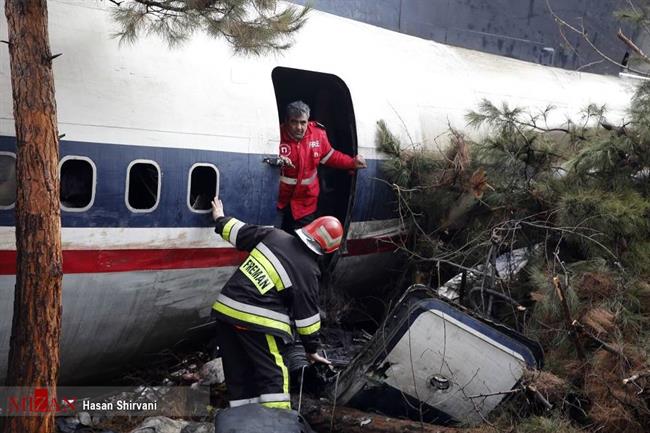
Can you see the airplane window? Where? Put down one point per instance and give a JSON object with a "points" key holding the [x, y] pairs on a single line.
{"points": [[143, 186], [77, 183], [203, 187], [7, 180]]}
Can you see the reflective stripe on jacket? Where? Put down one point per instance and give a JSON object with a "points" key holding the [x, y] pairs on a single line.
{"points": [[275, 285], [299, 186]]}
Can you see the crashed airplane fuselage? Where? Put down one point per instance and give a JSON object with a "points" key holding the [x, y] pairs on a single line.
{"points": [[152, 133]]}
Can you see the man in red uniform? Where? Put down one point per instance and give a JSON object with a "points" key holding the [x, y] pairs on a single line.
{"points": [[303, 146]]}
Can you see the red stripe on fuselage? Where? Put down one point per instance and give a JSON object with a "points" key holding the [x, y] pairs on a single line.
{"points": [[362, 247], [96, 261]]}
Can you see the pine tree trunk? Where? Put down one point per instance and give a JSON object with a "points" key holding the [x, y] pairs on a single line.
{"points": [[36, 326]]}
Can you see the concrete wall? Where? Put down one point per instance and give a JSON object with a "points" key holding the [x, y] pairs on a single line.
{"points": [[522, 29]]}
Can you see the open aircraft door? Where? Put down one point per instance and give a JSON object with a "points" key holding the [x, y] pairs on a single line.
{"points": [[331, 105]]}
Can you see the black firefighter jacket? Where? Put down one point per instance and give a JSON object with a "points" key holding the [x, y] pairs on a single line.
{"points": [[276, 284]]}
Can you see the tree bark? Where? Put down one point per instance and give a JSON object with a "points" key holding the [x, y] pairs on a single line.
{"points": [[347, 420], [36, 326]]}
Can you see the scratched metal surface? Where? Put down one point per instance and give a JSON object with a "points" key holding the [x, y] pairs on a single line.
{"points": [[112, 318], [522, 29]]}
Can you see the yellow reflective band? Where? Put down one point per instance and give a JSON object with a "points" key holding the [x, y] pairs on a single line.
{"points": [[273, 348], [251, 318], [270, 269], [308, 330], [277, 404], [257, 273], [225, 233], [277, 264]]}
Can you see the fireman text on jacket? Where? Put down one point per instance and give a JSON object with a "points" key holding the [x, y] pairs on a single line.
{"points": [[257, 274]]}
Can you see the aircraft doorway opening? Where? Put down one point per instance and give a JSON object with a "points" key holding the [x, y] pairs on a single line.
{"points": [[331, 105]]}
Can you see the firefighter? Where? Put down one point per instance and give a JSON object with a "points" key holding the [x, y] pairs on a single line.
{"points": [[303, 146], [276, 285]]}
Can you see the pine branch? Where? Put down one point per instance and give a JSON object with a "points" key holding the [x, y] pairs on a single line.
{"points": [[249, 26], [163, 5]]}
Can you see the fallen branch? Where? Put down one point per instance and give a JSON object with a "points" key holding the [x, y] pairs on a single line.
{"points": [[570, 323], [490, 394], [347, 420], [539, 397], [627, 41], [582, 32], [636, 377], [608, 347]]}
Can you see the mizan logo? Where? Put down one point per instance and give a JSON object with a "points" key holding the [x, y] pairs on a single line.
{"points": [[39, 402]]}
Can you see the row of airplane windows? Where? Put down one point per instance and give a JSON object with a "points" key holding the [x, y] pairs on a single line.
{"points": [[78, 175]]}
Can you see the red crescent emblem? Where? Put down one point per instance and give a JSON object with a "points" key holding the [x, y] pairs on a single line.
{"points": [[285, 150]]}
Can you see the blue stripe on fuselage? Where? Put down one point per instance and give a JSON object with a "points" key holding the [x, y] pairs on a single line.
{"points": [[247, 186]]}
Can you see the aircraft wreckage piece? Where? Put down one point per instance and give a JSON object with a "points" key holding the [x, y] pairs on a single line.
{"points": [[506, 267], [434, 358]]}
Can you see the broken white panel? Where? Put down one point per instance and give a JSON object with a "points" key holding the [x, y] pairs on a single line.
{"points": [[439, 349]]}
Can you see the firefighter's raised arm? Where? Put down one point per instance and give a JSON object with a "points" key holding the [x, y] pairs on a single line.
{"points": [[241, 235]]}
